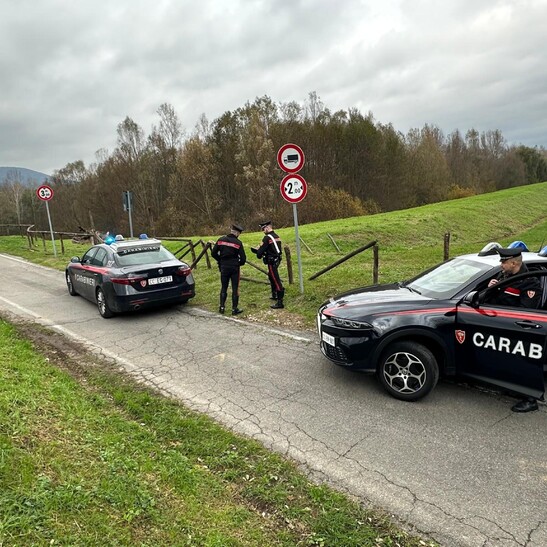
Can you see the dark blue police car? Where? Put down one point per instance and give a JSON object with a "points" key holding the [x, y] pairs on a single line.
{"points": [[129, 275], [440, 322]]}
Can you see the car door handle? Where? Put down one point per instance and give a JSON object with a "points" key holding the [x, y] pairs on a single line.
{"points": [[528, 325]]}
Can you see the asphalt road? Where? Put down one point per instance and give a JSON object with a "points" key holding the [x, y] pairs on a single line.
{"points": [[459, 466]]}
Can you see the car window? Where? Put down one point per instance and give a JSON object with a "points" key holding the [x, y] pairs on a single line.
{"points": [[100, 258], [148, 256], [88, 257], [447, 279]]}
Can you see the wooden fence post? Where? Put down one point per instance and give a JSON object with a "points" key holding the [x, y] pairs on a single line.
{"points": [[375, 265], [193, 250], [289, 264], [203, 252], [446, 245], [206, 247]]}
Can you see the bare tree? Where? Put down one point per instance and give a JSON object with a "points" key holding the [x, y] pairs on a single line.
{"points": [[15, 190]]}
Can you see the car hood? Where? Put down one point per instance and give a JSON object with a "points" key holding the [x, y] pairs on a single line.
{"points": [[372, 300]]}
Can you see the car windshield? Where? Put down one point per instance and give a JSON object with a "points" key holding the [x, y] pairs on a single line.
{"points": [[152, 255], [447, 279]]}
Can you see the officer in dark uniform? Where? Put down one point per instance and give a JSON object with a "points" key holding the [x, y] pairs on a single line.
{"points": [[228, 251], [522, 293], [270, 252]]}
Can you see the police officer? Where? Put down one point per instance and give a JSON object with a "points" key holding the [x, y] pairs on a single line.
{"points": [[228, 251], [270, 252], [521, 293]]}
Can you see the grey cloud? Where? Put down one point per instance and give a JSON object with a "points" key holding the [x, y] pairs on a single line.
{"points": [[72, 71]]}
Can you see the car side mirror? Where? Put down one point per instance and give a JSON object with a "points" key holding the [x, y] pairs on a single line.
{"points": [[472, 299], [75, 260]]}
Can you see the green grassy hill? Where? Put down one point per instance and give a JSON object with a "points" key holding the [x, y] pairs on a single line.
{"points": [[409, 241]]}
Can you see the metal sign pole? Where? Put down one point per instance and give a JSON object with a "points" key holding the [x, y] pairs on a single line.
{"points": [[129, 207], [51, 230], [295, 215]]}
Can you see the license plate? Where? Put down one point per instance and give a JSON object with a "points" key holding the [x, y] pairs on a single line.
{"points": [[158, 280], [328, 339]]}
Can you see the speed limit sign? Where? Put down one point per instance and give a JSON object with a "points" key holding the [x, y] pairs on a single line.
{"points": [[293, 188], [44, 192]]}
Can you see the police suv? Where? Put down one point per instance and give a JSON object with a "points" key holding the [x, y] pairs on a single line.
{"points": [[440, 322], [129, 275]]}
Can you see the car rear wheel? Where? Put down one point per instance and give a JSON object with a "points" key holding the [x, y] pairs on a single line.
{"points": [[104, 310], [70, 286], [408, 370]]}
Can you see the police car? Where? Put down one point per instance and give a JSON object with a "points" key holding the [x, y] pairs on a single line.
{"points": [[440, 323], [129, 275]]}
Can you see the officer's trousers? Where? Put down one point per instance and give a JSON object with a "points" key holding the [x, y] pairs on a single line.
{"points": [[229, 275], [275, 281]]}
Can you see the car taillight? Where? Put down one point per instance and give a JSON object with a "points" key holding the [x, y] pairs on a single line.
{"points": [[183, 271], [127, 280]]}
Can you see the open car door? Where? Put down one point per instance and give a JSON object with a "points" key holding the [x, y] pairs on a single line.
{"points": [[502, 346]]}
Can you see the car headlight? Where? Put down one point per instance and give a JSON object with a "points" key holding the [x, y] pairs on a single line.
{"points": [[350, 323]]}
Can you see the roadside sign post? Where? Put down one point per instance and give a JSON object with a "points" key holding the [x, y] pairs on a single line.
{"points": [[128, 206], [298, 253], [294, 188], [45, 193]]}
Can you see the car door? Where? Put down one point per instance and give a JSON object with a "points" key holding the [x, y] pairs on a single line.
{"points": [[83, 278], [502, 346]]}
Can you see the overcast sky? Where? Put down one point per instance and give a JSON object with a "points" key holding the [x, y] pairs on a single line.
{"points": [[72, 70]]}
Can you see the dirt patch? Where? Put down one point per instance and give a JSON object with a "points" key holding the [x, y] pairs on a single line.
{"points": [[58, 349]]}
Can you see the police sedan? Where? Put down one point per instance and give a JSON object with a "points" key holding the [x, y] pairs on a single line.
{"points": [[129, 275], [440, 322]]}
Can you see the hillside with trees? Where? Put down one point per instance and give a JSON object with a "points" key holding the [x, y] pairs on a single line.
{"points": [[227, 171]]}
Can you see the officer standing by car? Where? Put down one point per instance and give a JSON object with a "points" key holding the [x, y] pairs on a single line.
{"points": [[229, 252], [270, 252], [521, 293]]}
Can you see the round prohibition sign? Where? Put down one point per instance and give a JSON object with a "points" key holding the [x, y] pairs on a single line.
{"points": [[290, 158], [44, 192], [293, 188]]}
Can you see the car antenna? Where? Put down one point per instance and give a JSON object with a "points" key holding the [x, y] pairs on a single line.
{"points": [[541, 246]]}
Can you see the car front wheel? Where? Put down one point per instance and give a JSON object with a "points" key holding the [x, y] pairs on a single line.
{"points": [[408, 370], [70, 285], [104, 310]]}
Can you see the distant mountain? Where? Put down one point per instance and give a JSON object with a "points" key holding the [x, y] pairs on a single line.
{"points": [[27, 177]]}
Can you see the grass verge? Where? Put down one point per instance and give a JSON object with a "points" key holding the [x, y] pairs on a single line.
{"points": [[88, 457]]}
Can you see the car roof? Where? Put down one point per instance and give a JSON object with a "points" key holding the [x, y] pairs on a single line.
{"points": [[134, 244]]}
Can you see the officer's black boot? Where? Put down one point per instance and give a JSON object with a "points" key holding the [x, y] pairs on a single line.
{"points": [[274, 295], [235, 309], [222, 302], [525, 405], [279, 304]]}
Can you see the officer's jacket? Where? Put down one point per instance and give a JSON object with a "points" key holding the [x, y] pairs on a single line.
{"points": [[229, 251], [270, 248], [522, 293]]}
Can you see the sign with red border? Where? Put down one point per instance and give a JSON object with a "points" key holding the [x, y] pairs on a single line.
{"points": [[293, 188], [44, 192], [290, 158]]}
